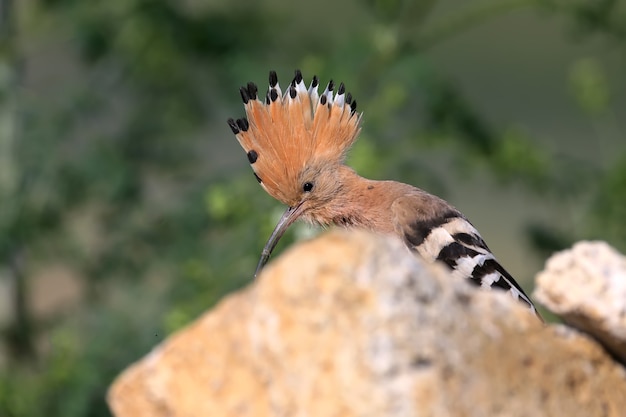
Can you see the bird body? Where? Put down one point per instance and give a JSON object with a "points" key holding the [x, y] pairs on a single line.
{"points": [[296, 144]]}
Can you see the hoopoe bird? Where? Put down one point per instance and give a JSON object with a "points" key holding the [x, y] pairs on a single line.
{"points": [[297, 142]]}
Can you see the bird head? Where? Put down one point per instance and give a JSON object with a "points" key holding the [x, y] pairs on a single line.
{"points": [[296, 143]]}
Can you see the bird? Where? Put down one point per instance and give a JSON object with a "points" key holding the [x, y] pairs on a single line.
{"points": [[296, 142]]}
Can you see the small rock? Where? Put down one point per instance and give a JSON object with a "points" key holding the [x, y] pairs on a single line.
{"points": [[586, 286]]}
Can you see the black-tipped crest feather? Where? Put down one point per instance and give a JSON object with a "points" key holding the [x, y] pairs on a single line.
{"points": [[285, 133], [273, 79]]}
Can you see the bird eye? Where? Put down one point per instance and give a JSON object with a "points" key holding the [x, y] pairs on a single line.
{"points": [[307, 187]]}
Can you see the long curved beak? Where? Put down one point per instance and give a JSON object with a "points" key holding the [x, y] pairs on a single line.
{"points": [[289, 216]]}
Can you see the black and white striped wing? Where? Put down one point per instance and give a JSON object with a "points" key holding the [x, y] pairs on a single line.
{"points": [[444, 234]]}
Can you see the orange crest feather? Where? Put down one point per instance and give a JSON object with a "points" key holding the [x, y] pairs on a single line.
{"points": [[287, 133]]}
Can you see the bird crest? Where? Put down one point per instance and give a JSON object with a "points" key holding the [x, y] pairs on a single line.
{"points": [[284, 134]]}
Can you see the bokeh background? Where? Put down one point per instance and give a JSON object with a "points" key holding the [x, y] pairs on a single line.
{"points": [[127, 207]]}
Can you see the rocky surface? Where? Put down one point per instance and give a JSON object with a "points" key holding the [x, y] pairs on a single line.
{"points": [[586, 286], [352, 325]]}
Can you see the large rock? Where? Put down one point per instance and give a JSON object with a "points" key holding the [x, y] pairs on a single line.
{"points": [[353, 325], [586, 286]]}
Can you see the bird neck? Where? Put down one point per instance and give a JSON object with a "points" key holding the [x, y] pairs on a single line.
{"points": [[364, 203]]}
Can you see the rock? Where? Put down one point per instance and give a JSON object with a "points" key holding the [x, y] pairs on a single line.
{"points": [[586, 286], [351, 324]]}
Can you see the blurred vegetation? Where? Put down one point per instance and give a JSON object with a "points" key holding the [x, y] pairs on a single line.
{"points": [[112, 162]]}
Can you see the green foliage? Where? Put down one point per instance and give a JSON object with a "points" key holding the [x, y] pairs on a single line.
{"points": [[589, 86], [84, 355], [609, 210], [516, 156], [122, 170]]}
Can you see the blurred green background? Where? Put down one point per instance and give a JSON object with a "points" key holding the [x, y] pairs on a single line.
{"points": [[127, 208]]}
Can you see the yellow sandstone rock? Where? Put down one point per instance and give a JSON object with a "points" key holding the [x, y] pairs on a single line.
{"points": [[352, 324]]}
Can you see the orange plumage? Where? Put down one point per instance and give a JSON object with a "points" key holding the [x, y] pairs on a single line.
{"points": [[286, 133]]}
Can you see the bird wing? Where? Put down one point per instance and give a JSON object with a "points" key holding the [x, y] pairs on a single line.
{"points": [[439, 232]]}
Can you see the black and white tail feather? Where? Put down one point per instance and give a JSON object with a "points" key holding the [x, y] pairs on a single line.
{"points": [[450, 238]]}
